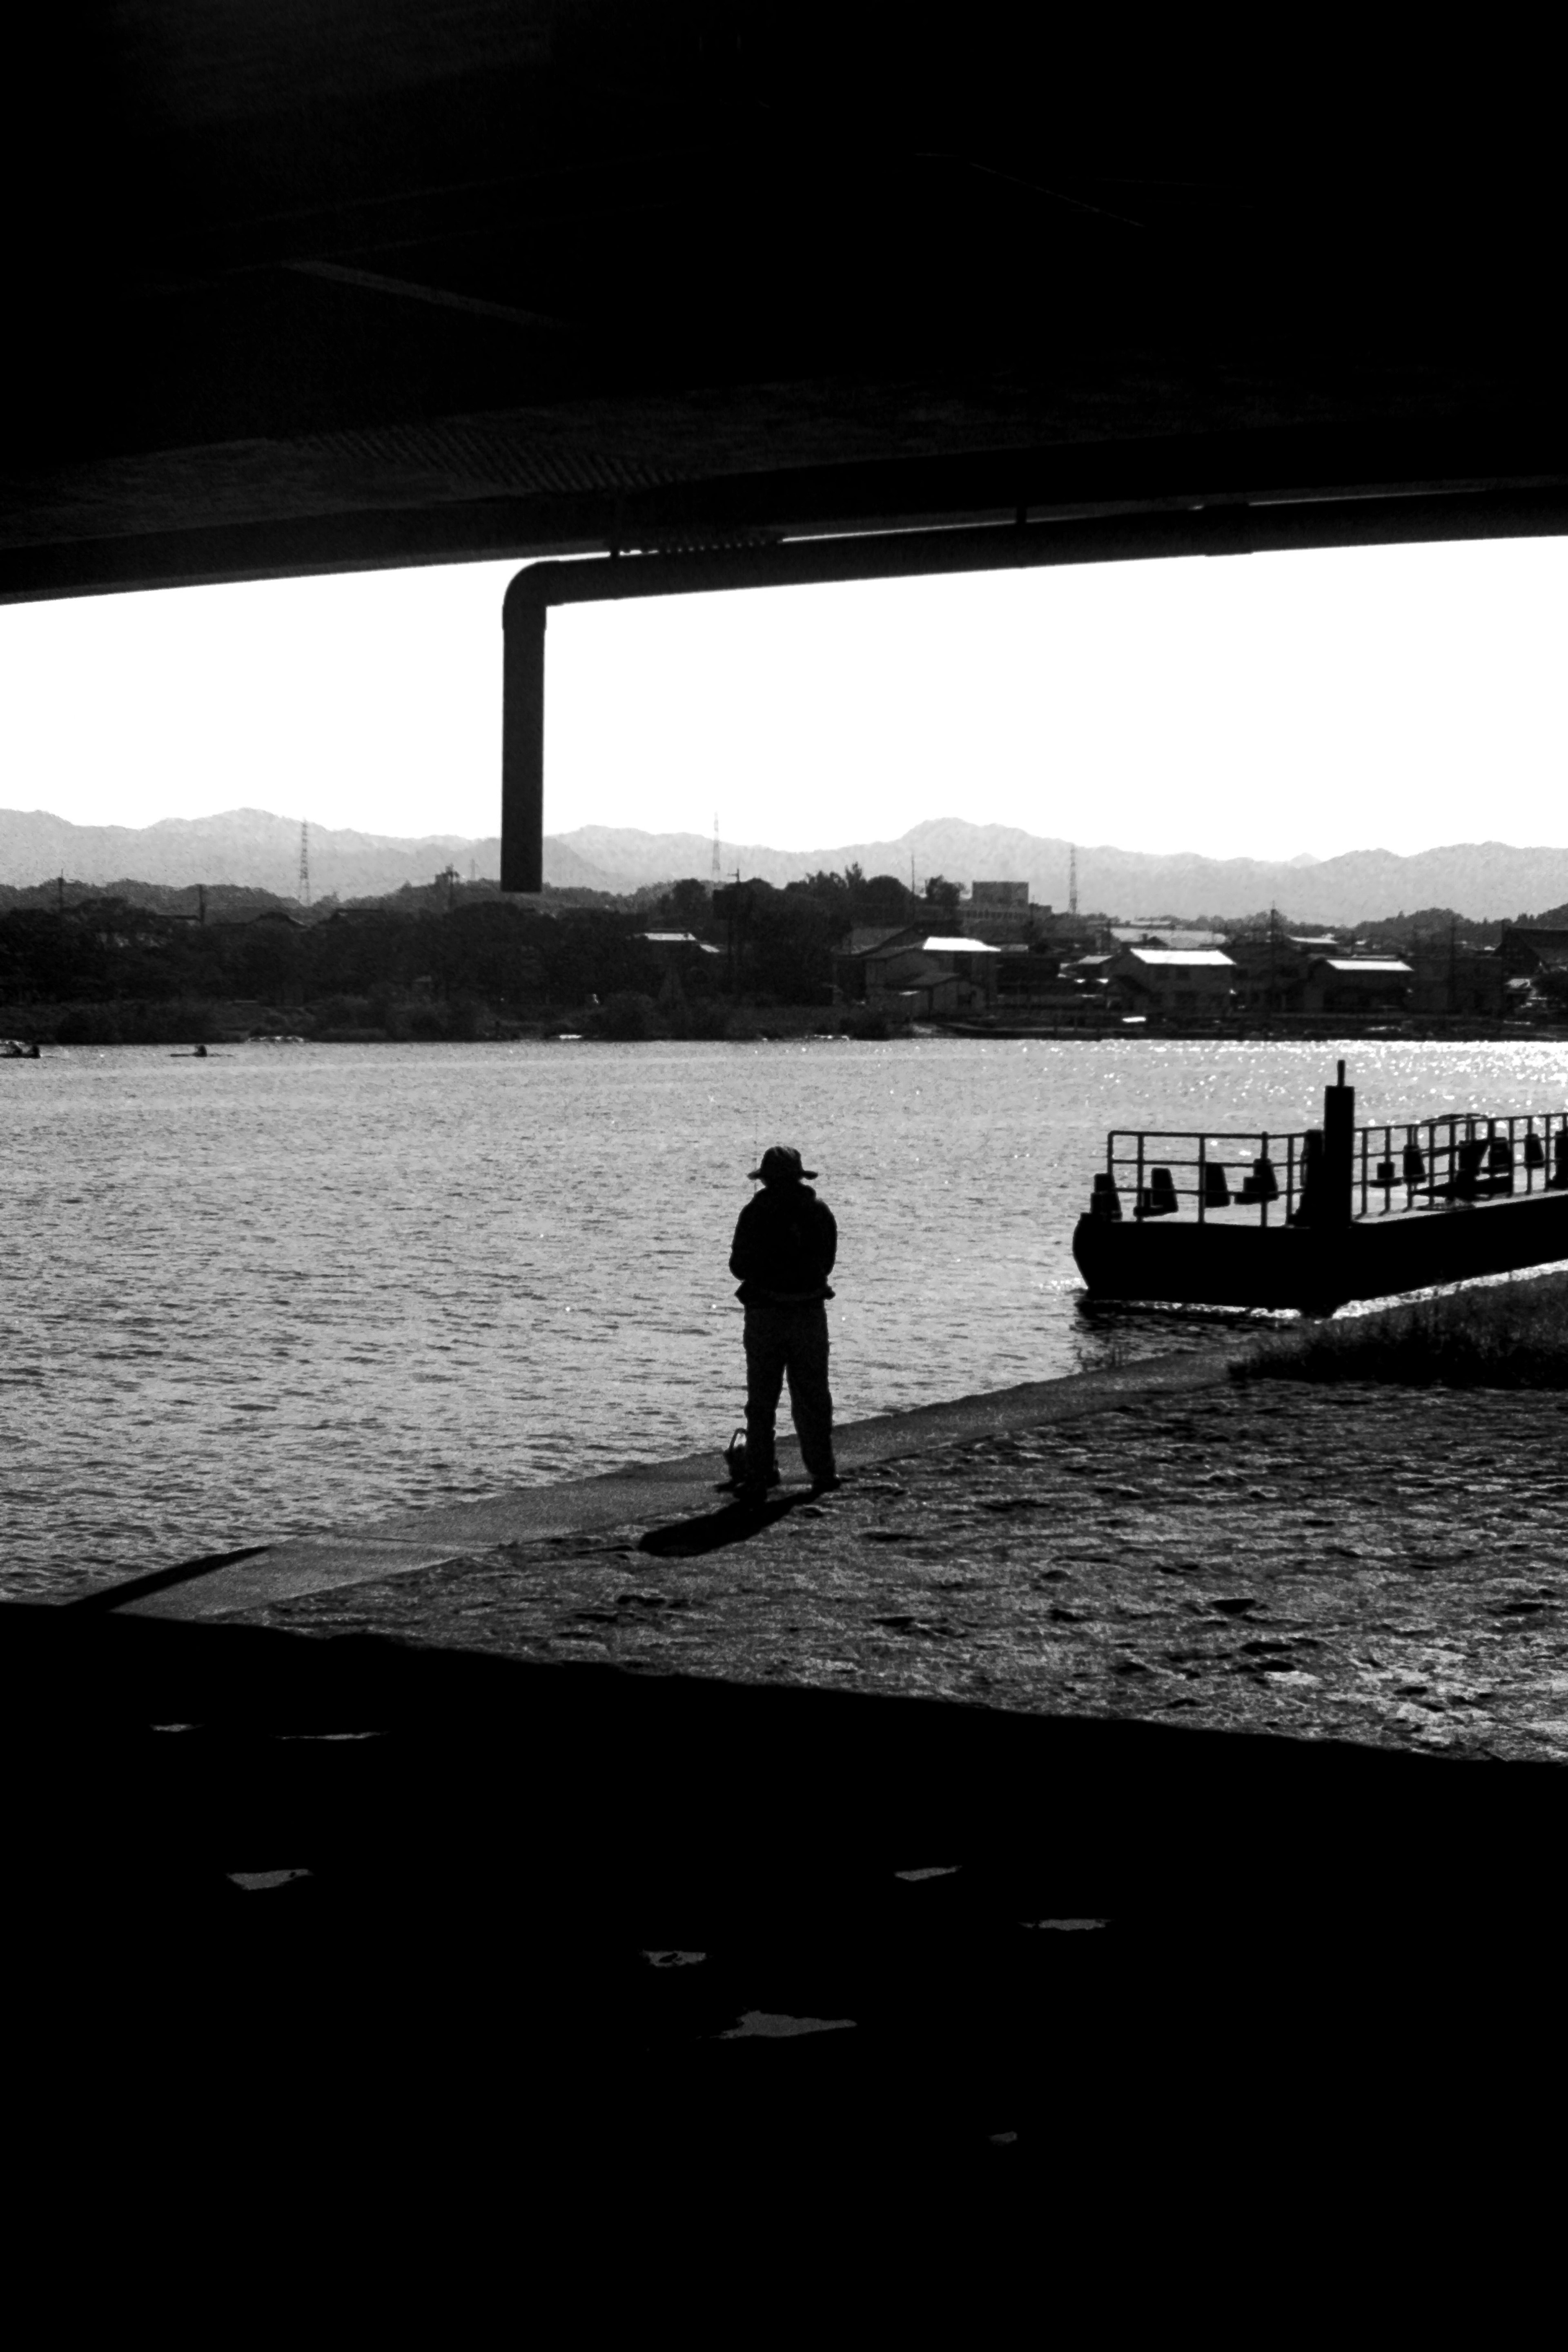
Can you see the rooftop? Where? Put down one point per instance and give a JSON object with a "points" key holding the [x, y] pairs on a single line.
{"points": [[1368, 964], [1203, 959]]}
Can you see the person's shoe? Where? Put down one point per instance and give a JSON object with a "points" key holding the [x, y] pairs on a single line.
{"points": [[828, 1485]]}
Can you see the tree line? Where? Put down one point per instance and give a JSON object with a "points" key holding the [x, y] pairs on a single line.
{"points": [[439, 960]]}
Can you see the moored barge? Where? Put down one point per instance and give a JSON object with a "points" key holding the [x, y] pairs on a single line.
{"points": [[1317, 1219]]}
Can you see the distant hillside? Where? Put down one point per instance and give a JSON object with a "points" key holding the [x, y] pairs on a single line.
{"points": [[254, 848], [1488, 880], [225, 902]]}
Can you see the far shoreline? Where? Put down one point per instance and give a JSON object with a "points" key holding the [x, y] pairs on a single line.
{"points": [[101, 1027]]}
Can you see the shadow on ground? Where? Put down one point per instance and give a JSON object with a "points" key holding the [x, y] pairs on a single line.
{"points": [[403, 1929], [711, 1530]]}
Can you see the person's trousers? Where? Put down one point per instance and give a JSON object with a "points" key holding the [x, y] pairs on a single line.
{"points": [[788, 1342]]}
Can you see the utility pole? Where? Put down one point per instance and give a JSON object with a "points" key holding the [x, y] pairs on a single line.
{"points": [[1072, 879], [202, 904], [304, 863]]}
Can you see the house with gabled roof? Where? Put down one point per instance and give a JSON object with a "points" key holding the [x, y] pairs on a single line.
{"points": [[1183, 981], [1529, 948], [923, 972], [1357, 984]]}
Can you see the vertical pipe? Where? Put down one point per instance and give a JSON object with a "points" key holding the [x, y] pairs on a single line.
{"points": [[1263, 1202], [1203, 1177], [522, 745]]}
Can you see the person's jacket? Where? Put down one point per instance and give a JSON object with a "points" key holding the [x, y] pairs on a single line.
{"points": [[785, 1243]]}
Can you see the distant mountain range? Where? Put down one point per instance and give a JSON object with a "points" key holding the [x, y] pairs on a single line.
{"points": [[1485, 880]]}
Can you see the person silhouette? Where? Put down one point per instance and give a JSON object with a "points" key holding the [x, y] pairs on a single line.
{"points": [[785, 1243]]}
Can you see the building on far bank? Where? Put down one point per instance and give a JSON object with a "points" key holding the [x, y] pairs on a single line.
{"points": [[1470, 981], [922, 973], [1182, 982], [1000, 913], [1288, 975], [680, 947], [1527, 948], [1357, 984]]}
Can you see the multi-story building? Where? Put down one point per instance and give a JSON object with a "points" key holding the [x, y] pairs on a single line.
{"points": [[1000, 913]]}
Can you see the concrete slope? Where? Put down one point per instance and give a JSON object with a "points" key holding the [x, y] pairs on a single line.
{"points": [[651, 1492]]}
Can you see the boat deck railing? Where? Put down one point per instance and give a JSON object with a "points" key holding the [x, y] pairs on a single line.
{"points": [[1431, 1163]]}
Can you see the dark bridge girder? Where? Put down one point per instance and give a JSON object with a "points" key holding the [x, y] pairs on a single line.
{"points": [[1222, 527], [413, 281]]}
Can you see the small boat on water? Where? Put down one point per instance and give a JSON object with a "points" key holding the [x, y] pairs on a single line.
{"points": [[1316, 1219]]}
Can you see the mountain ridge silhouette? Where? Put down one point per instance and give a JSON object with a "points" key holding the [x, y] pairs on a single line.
{"points": [[1487, 880]]}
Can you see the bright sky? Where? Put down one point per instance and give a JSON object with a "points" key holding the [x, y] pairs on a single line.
{"points": [[1262, 706]]}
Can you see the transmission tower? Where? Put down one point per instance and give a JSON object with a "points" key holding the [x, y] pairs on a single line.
{"points": [[304, 865], [716, 875]]}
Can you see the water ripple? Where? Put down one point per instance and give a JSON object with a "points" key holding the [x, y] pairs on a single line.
{"points": [[264, 1294]]}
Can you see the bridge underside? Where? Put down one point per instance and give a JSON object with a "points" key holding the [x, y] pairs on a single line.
{"points": [[426, 280]]}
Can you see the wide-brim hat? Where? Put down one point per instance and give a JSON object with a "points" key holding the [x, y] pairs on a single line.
{"points": [[781, 1160]]}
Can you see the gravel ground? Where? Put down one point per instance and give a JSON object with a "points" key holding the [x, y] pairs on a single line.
{"points": [[1373, 1563]]}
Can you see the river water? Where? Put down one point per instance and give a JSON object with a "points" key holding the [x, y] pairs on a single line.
{"points": [[294, 1286]]}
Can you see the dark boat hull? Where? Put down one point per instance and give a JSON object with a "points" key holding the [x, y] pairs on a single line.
{"points": [[1218, 1264]]}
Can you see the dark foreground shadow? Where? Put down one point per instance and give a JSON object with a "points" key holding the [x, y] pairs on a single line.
{"points": [[734, 1523], [401, 1932]]}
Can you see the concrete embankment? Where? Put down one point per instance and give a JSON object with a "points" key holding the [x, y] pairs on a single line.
{"points": [[366, 1552]]}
